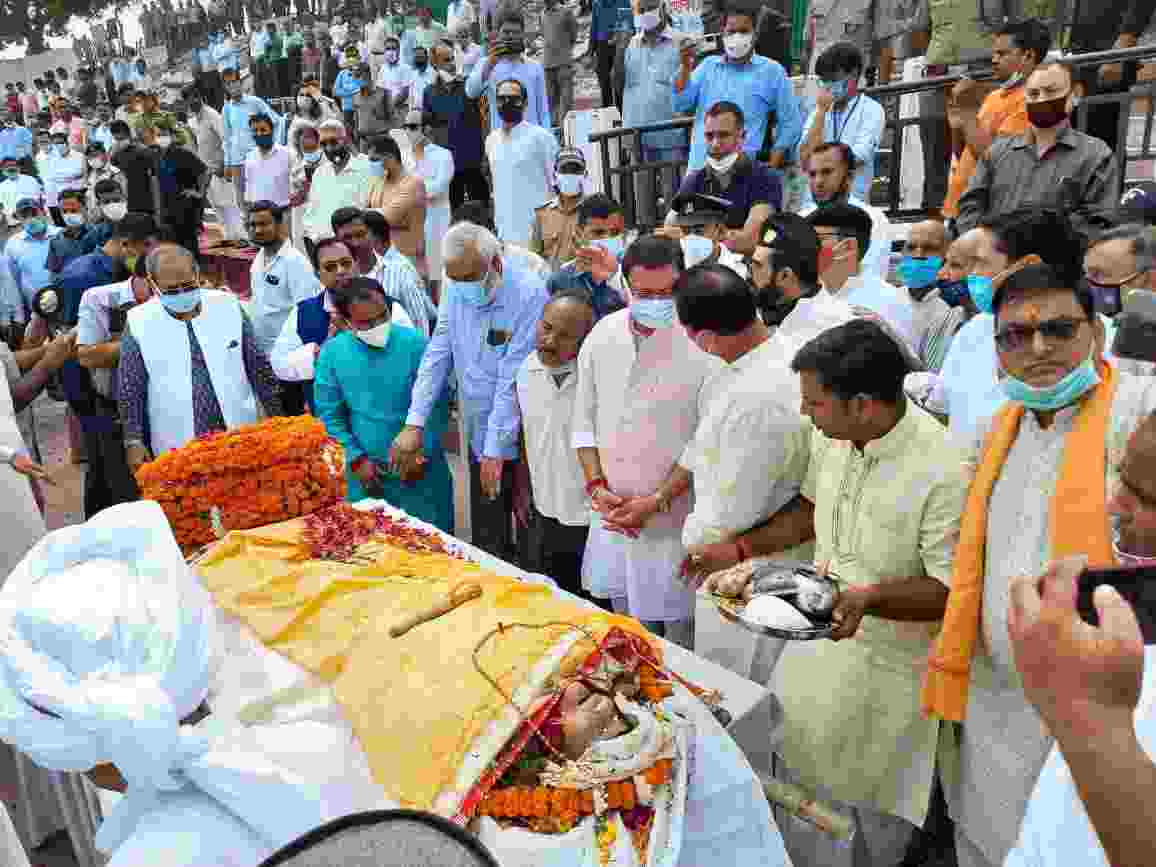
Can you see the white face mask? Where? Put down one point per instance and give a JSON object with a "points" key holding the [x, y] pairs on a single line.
{"points": [[738, 45], [569, 185], [96, 164], [696, 249], [375, 336], [115, 210], [163, 141], [649, 21], [722, 165], [391, 55]]}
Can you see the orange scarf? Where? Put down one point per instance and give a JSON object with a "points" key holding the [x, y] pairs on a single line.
{"points": [[1080, 525]]}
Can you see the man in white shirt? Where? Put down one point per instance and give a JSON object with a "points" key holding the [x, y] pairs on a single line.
{"points": [[640, 388], [749, 452], [396, 78], [845, 233], [62, 170], [267, 165], [280, 275], [423, 76], [342, 180], [844, 115], [559, 514], [830, 170], [521, 156]]}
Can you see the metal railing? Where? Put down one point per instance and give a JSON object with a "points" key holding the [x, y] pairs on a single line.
{"points": [[621, 148]]}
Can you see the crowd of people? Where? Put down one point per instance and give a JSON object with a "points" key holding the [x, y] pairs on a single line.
{"points": [[640, 409]]}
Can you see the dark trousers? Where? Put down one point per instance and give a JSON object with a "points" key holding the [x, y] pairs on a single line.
{"points": [[212, 87], [492, 520], [185, 225], [107, 480], [1104, 118], [555, 549], [604, 54], [292, 397], [468, 184]]}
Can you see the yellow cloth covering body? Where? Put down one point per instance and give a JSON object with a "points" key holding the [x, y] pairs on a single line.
{"points": [[425, 717]]}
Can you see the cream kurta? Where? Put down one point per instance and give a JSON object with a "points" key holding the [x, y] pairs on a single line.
{"points": [[640, 408], [852, 722], [749, 453], [1004, 742]]}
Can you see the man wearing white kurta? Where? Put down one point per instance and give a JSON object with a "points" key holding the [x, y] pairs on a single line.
{"points": [[521, 156], [1004, 742], [640, 383], [189, 362], [887, 492], [435, 166]]}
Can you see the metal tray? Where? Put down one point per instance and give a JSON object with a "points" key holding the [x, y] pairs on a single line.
{"points": [[731, 610]]}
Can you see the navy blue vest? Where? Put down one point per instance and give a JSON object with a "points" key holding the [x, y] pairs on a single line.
{"points": [[312, 327]]}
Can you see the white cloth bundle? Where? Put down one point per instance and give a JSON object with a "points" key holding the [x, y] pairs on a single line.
{"points": [[107, 642]]}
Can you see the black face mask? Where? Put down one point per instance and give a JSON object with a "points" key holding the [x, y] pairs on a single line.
{"points": [[1048, 113], [196, 106], [514, 46], [511, 110], [420, 64], [337, 153]]}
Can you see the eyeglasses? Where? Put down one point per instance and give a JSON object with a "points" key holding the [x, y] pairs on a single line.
{"points": [[1014, 338], [413, 127]]}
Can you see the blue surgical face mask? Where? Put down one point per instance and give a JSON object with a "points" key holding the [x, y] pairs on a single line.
{"points": [[696, 249], [653, 312], [312, 158], [36, 227], [472, 292], [73, 219], [1063, 393], [376, 169], [952, 292], [182, 302], [615, 246], [839, 89], [919, 273], [60, 149], [981, 291]]}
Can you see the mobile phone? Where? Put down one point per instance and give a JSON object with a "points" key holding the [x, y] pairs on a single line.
{"points": [[1137, 584]]}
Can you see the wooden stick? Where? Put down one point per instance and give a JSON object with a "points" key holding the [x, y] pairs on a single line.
{"points": [[457, 596], [798, 803]]}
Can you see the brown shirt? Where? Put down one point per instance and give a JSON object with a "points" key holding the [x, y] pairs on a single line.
{"points": [[402, 202], [552, 235]]}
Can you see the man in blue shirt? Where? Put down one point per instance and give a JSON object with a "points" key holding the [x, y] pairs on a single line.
{"points": [[486, 327], [505, 61], [239, 107], [594, 271], [24, 264], [730, 173], [610, 28], [757, 85], [843, 114]]}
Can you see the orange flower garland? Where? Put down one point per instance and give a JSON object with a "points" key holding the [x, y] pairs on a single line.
{"points": [[247, 477]]}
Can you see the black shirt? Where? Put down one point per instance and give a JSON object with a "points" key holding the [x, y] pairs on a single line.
{"points": [[178, 169], [751, 183], [139, 164]]}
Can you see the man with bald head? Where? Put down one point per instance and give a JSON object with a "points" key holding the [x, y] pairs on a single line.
{"points": [[189, 362], [935, 321], [559, 516]]}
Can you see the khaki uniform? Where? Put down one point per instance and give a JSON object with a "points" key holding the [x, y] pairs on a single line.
{"points": [[552, 236]]}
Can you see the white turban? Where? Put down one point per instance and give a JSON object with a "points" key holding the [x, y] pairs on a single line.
{"points": [[107, 641]]}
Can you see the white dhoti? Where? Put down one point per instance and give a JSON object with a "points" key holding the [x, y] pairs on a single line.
{"points": [[224, 197], [437, 223]]}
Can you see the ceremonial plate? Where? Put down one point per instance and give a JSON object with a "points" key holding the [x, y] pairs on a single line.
{"points": [[732, 611]]}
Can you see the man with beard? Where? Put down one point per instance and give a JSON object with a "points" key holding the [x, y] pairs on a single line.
{"points": [[342, 180], [521, 156], [1050, 165]]}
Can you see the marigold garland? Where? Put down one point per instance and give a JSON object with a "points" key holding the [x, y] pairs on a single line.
{"points": [[247, 477]]}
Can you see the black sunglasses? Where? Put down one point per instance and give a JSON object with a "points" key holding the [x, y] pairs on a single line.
{"points": [[1013, 338]]}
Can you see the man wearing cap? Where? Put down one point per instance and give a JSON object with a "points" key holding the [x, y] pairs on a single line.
{"points": [[24, 263], [700, 225], [732, 174], [556, 222], [521, 156], [14, 186]]}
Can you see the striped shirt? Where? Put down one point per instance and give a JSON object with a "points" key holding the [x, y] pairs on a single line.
{"points": [[400, 280]]}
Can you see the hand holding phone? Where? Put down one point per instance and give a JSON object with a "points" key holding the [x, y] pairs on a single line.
{"points": [[1137, 584]]}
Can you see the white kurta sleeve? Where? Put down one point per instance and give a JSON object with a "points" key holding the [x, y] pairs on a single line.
{"points": [[584, 429]]}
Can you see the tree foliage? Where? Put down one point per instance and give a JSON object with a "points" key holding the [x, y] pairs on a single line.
{"points": [[33, 22]]}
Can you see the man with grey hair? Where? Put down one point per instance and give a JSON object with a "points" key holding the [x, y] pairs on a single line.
{"points": [[1118, 261], [341, 181], [486, 327], [189, 362]]}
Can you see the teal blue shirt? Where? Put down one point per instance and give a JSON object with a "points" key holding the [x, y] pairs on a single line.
{"points": [[362, 395]]}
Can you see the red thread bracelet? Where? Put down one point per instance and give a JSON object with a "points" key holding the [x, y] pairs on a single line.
{"points": [[594, 484]]}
